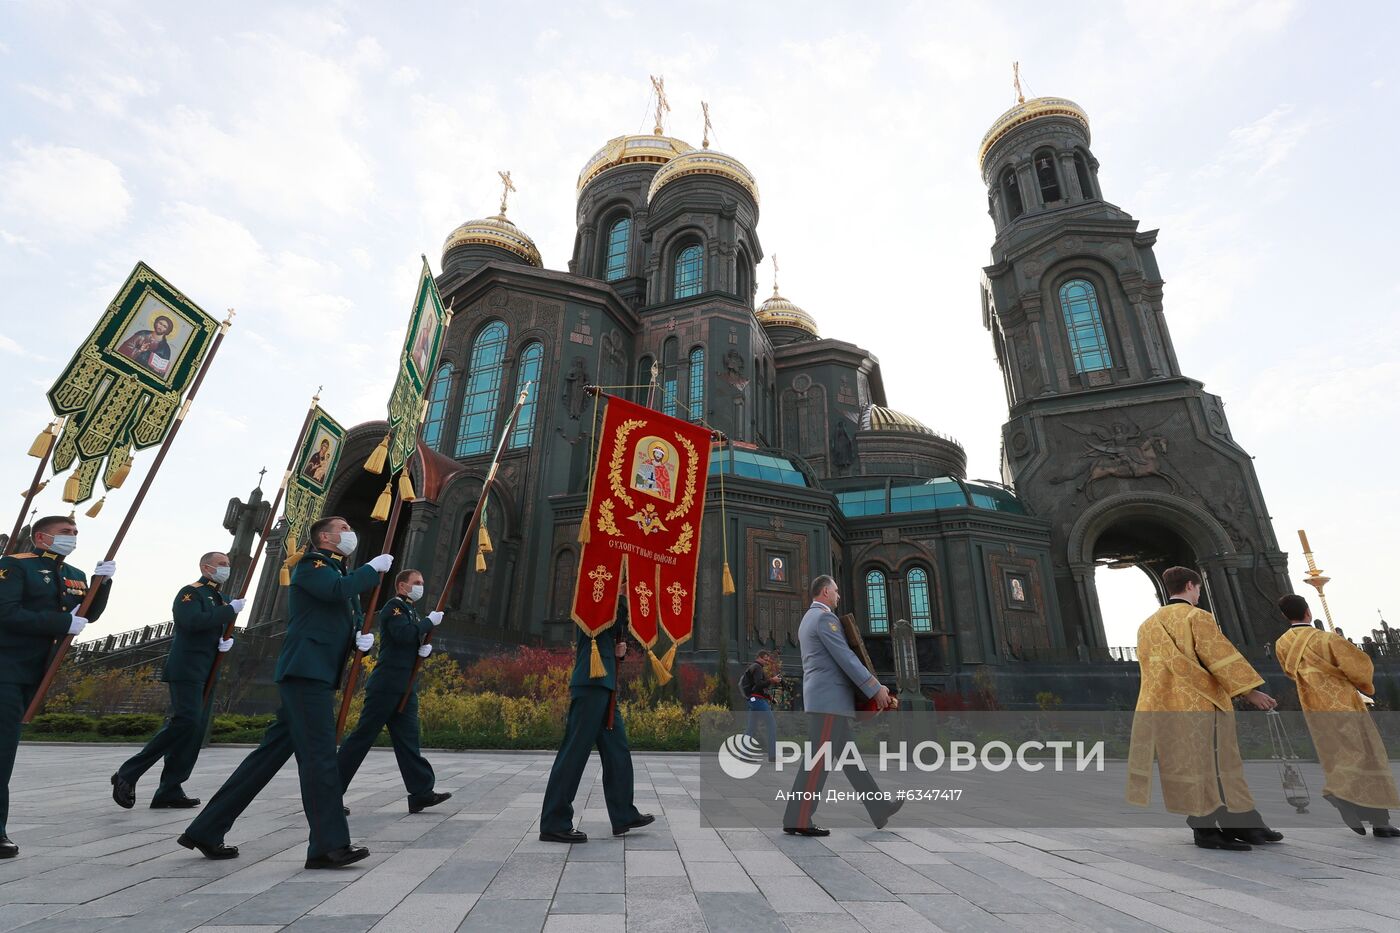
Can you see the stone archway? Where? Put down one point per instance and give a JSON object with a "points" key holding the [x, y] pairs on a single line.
{"points": [[1151, 531]]}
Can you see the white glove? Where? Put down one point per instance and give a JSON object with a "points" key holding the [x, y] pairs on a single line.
{"points": [[436, 619], [77, 625], [382, 563], [424, 650], [364, 642], [108, 569], [237, 604], [225, 644]]}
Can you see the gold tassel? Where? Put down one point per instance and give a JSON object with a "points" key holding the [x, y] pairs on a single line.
{"points": [[72, 488], [406, 492], [584, 533], [727, 585], [381, 506], [483, 540], [40, 448], [595, 661], [37, 489], [97, 507], [663, 676], [480, 561], [284, 577], [668, 660], [120, 474], [377, 459]]}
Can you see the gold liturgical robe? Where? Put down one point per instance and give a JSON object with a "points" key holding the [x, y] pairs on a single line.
{"points": [[1329, 670], [1185, 717]]}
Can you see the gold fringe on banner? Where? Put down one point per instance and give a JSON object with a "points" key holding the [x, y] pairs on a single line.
{"points": [[381, 505], [72, 488], [120, 474], [284, 576], [483, 540], [375, 463], [406, 492], [96, 507], [595, 661], [37, 489], [40, 448]]}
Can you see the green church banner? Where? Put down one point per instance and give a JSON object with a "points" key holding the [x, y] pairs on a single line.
{"points": [[312, 475], [123, 389], [427, 325]]}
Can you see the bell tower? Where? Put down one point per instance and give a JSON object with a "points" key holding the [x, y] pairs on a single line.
{"points": [[1132, 461]]}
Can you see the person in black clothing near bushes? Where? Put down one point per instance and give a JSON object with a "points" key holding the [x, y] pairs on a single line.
{"points": [[754, 685]]}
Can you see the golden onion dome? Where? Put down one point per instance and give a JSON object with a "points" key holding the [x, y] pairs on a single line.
{"points": [[704, 162], [779, 312], [494, 231], [626, 150], [1026, 111], [880, 418]]}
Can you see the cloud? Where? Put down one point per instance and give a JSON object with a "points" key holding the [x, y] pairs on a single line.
{"points": [[8, 345], [61, 193], [1259, 147]]}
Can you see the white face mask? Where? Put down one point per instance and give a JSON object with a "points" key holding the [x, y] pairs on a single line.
{"points": [[348, 542], [415, 593], [220, 575], [63, 544]]}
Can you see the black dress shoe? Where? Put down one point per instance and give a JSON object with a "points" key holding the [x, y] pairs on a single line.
{"points": [[123, 793], [7, 848], [338, 858], [1384, 832], [806, 831], [1218, 839], [646, 819], [175, 803], [572, 836], [889, 811], [217, 851], [1256, 836], [419, 804]]}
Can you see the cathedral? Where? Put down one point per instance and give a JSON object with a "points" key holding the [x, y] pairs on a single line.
{"points": [[1110, 454]]}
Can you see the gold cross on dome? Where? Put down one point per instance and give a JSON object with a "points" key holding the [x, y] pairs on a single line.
{"points": [[705, 109], [1016, 80], [507, 186], [658, 84], [775, 274]]}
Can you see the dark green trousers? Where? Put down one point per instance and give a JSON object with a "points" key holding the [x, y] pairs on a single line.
{"points": [[14, 700], [380, 710], [305, 727], [585, 730], [178, 742]]}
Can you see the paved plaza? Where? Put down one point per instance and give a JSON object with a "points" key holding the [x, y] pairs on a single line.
{"points": [[475, 863]]}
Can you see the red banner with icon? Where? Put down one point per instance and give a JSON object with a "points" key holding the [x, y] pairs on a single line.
{"points": [[641, 532]]}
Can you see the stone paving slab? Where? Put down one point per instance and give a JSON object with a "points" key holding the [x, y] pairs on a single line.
{"points": [[475, 863]]}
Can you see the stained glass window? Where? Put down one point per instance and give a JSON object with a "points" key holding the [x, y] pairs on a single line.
{"points": [[483, 393], [619, 238], [1088, 343], [437, 406], [689, 272], [530, 359], [697, 384], [877, 600]]}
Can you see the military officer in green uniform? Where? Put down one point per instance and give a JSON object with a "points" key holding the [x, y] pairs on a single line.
{"points": [[40, 594], [324, 621], [594, 721], [401, 632], [201, 613]]}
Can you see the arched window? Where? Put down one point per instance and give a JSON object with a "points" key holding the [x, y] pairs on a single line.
{"points": [[643, 382], [1011, 194], [670, 380], [564, 565], [619, 239], [1081, 169], [483, 394], [697, 384], [438, 390], [920, 613], [529, 371], [877, 601], [1088, 343], [689, 271], [743, 276], [1047, 177]]}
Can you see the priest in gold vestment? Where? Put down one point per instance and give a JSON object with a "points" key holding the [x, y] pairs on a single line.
{"points": [[1329, 672], [1185, 718]]}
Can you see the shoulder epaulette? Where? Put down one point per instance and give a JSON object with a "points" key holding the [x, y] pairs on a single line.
{"points": [[198, 584], [24, 556]]}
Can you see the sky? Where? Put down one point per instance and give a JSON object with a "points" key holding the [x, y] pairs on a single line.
{"points": [[293, 164]]}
